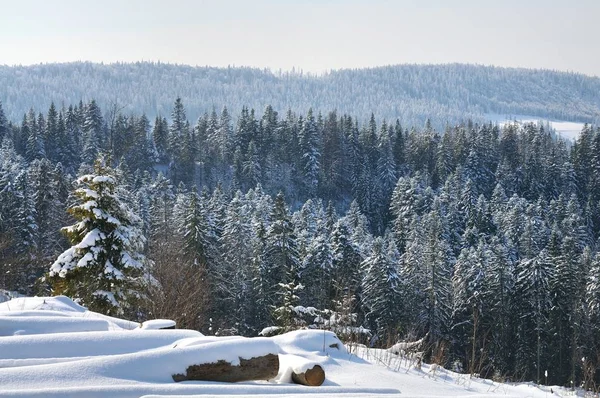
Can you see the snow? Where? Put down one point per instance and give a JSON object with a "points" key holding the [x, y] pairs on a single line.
{"points": [[110, 297], [6, 295], [268, 331], [90, 239], [88, 344], [89, 205], [140, 362], [568, 130], [103, 179], [155, 324], [13, 326], [64, 305], [88, 192], [312, 341]]}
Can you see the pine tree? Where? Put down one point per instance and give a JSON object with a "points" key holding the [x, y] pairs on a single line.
{"points": [[3, 124], [234, 274], [592, 307], [315, 272], [48, 207], [35, 146], [160, 137], [72, 140], [261, 282], [386, 172], [52, 136], [381, 296], [104, 268], [426, 266], [93, 133], [311, 154], [251, 167], [533, 291], [346, 280], [198, 234], [281, 256], [500, 288]]}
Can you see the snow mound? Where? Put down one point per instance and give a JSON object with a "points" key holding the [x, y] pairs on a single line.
{"points": [[15, 326], [270, 331], [28, 313], [58, 303], [150, 366], [156, 324], [60, 306], [6, 295], [192, 341], [310, 340], [84, 344]]}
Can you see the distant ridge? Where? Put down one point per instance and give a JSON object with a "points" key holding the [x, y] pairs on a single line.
{"points": [[446, 94]]}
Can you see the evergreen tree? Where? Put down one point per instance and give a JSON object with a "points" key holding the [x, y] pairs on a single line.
{"points": [[533, 292], [311, 154], [251, 167], [93, 132], [104, 268], [381, 295], [52, 134], [35, 146], [234, 273], [160, 137], [3, 124], [283, 263]]}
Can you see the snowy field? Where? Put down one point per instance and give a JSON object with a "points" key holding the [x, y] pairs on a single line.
{"points": [[567, 130], [52, 347]]}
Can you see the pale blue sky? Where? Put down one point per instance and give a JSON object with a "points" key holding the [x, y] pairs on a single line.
{"points": [[314, 35]]}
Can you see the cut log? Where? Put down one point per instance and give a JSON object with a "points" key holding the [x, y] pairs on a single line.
{"points": [[314, 376], [257, 368]]}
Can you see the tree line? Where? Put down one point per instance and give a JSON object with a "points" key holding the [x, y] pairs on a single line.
{"points": [[480, 238], [451, 93]]}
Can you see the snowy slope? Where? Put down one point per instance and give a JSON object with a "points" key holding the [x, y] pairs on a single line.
{"points": [[134, 363], [567, 130]]}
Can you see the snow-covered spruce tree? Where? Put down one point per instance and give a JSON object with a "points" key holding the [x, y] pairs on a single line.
{"points": [[3, 123], [346, 273], [310, 145], [281, 255], [381, 296], [104, 268]]}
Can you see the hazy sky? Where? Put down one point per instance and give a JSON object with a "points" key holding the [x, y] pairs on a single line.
{"points": [[314, 35]]}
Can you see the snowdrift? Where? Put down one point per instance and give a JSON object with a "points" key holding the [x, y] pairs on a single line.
{"points": [[52, 347]]}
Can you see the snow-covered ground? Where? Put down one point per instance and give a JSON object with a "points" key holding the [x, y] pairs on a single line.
{"points": [[124, 360], [567, 130]]}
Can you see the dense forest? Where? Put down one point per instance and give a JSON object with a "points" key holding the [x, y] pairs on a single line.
{"points": [[481, 239], [441, 93]]}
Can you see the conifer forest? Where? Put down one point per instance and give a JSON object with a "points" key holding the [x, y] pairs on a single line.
{"points": [[482, 239]]}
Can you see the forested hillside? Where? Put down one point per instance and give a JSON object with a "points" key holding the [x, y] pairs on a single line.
{"points": [[482, 240], [445, 94]]}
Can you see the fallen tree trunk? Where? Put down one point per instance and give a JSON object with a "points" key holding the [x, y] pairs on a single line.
{"points": [[314, 376], [258, 368]]}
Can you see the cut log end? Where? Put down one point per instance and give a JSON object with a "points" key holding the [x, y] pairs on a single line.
{"points": [[258, 368], [314, 376]]}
